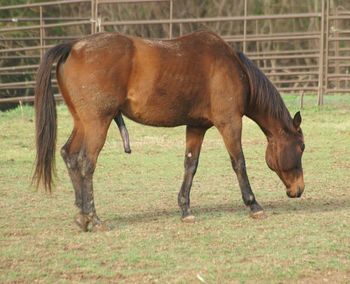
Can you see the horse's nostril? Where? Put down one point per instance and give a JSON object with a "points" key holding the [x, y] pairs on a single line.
{"points": [[296, 194], [300, 191]]}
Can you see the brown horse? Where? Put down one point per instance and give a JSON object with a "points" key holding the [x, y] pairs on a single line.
{"points": [[196, 80]]}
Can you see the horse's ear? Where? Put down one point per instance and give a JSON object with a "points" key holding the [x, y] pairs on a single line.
{"points": [[297, 120]]}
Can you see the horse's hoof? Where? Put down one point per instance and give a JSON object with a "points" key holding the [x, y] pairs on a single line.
{"points": [[189, 219], [258, 215], [100, 227], [82, 221]]}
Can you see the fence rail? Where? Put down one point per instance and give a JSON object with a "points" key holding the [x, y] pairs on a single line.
{"points": [[318, 64]]}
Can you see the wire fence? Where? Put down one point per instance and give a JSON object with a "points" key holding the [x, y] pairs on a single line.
{"points": [[303, 51]]}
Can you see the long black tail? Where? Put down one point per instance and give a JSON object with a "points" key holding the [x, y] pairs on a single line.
{"points": [[46, 117]]}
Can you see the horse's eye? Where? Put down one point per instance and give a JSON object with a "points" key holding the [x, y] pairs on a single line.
{"points": [[302, 147]]}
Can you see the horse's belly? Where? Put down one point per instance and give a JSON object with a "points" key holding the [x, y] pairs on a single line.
{"points": [[166, 111], [165, 115]]}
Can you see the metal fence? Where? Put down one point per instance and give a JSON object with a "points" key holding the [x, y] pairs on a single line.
{"points": [[314, 57]]}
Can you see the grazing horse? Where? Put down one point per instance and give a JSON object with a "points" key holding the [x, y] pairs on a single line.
{"points": [[196, 80]]}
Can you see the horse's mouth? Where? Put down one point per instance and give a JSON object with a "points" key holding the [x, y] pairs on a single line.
{"points": [[295, 194]]}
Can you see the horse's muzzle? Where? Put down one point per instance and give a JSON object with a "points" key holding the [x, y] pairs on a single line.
{"points": [[295, 194]]}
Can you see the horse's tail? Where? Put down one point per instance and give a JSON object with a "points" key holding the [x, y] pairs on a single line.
{"points": [[46, 117]]}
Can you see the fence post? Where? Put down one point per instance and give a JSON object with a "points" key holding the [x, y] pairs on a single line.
{"points": [[321, 60], [171, 19], [94, 5], [327, 49], [336, 47], [98, 18], [302, 99], [92, 15], [245, 26], [41, 32]]}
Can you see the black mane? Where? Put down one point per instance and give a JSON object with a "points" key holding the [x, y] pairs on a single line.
{"points": [[263, 95]]}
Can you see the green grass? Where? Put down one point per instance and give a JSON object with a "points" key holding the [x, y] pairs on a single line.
{"points": [[305, 240]]}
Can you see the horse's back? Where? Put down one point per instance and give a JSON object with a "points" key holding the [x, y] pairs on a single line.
{"points": [[162, 83], [172, 83]]}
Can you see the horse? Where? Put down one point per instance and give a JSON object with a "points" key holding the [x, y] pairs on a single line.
{"points": [[196, 80]]}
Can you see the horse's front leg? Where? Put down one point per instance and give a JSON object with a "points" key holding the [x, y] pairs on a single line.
{"points": [[194, 139], [232, 138], [238, 165]]}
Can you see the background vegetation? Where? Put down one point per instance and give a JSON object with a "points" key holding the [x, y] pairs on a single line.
{"points": [[301, 241], [182, 9]]}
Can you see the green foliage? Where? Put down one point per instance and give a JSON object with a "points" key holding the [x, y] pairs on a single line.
{"points": [[305, 240], [183, 9]]}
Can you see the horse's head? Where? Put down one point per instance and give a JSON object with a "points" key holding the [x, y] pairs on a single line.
{"points": [[283, 156]]}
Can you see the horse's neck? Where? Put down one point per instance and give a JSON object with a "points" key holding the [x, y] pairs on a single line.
{"points": [[271, 126]]}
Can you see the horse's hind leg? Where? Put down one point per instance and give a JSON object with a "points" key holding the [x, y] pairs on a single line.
{"points": [[94, 139], [70, 152], [231, 134], [194, 139], [80, 154]]}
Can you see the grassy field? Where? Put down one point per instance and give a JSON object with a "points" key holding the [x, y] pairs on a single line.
{"points": [[302, 241]]}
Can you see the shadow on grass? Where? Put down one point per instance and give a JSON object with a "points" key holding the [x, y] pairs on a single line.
{"points": [[318, 205], [152, 216], [276, 207]]}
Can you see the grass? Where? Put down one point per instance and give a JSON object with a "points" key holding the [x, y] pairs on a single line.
{"points": [[305, 240]]}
